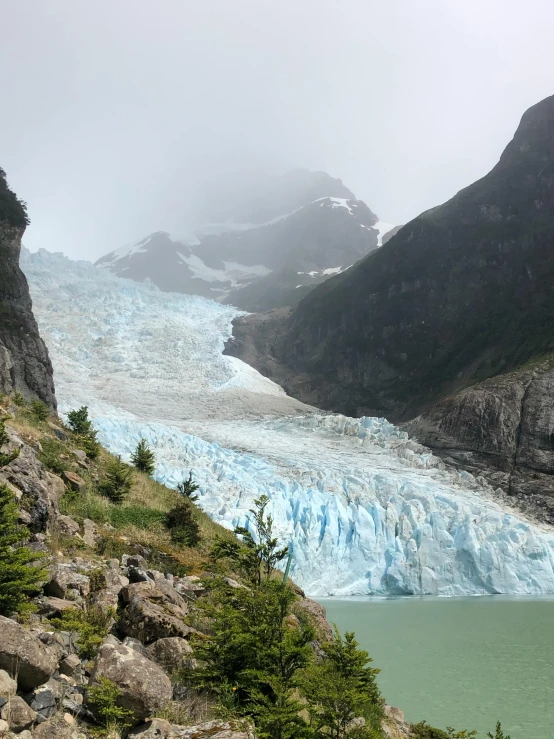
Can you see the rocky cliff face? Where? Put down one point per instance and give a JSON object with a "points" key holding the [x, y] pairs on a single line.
{"points": [[461, 294], [501, 429], [24, 362]]}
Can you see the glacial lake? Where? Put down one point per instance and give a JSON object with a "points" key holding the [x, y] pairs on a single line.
{"points": [[461, 662]]}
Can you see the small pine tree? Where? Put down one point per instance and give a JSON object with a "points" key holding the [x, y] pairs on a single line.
{"points": [[341, 688], [81, 425], [19, 579], [79, 422], [143, 457], [118, 481], [103, 696], [19, 399], [182, 524], [188, 488], [40, 410], [265, 551], [498, 734], [10, 456]]}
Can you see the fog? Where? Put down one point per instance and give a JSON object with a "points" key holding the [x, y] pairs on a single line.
{"points": [[119, 117]]}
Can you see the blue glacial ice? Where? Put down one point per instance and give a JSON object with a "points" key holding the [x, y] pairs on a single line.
{"points": [[366, 509]]}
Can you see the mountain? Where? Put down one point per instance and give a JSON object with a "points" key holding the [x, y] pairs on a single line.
{"points": [[24, 363], [297, 232], [461, 294]]}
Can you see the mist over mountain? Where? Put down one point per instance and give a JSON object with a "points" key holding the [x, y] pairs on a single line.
{"points": [[259, 250]]}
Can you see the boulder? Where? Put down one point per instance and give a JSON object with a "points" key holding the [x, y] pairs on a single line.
{"points": [[56, 728], [51, 606], [90, 532], [66, 576], [18, 714], [73, 481], [8, 688], [171, 653], [160, 729], [4, 728], [318, 616], [67, 525], [43, 700], [24, 656], [154, 611], [69, 664], [144, 686]]}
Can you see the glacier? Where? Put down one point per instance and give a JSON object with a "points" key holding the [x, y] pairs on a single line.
{"points": [[365, 509]]}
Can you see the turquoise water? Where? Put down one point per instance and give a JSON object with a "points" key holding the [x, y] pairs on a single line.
{"points": [[462, 662]]}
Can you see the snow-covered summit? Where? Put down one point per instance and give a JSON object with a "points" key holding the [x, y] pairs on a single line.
{"points": [[289, 233], [365, 509]]}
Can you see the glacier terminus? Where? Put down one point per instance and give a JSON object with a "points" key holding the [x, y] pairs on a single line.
{"points": [[366, 509]]}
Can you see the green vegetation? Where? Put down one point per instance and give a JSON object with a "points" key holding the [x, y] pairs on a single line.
{"points": [[143, 458], [188, 488], [103, 698], [498, 734], [342, 687], [256, 558], [19, 400], [259, 659], [5, 459], [19, 577], [39, 410], [91, 624], [52, 455], [85, 435], [12, 209], [118, 481], [182, 524]]}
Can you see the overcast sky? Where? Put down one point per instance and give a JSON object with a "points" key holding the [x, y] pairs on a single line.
{"points": [[115, 112]]}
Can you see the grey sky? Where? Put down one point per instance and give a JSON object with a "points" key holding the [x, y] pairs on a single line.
{"points": [[114, 113]]}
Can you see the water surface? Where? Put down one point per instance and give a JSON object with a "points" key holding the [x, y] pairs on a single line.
{"points": [[462, 662]]}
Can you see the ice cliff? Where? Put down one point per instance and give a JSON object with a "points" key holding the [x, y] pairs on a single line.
{"points": [[365, 509]]}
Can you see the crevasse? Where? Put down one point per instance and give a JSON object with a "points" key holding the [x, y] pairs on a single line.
{"points": [[366, 509]]}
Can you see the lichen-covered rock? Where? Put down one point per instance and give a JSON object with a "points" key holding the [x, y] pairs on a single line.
{"points": [[24, 656], [154, 611], [144, 687], [18, 714], [160, 729], [171, 653], [66, 577], [57, 728], [39, 488], [318, 615], [73, 481], [8, 688], [67, 525]]}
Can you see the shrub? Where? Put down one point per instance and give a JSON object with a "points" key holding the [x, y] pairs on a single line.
{"points": [[143, 457], [10, 456], [19, 400], [39, 410], [424, 731], [256, 558], [182, 524], [103, 698], [498, 734], [188, 488], [19, 578], [92, 625], [81, 425], [118, 481], [89, 445], [50, 456], [79, 422]]}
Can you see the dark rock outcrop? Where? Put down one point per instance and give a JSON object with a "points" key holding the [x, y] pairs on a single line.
{"points": [[24, 362], [502, 429]]}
